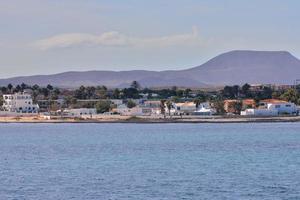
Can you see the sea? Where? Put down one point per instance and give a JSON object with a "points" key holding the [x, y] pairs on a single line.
{"points": [[150, 161]]}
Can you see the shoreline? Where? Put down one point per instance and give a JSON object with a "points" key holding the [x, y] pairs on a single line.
{"points": [[153, 120]]}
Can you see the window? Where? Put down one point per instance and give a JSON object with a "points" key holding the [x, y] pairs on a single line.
{"points": [[277, 106], [288, 105]]}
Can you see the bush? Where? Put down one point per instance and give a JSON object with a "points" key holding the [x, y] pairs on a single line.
{"points": [[102, 106], [131, 104]]}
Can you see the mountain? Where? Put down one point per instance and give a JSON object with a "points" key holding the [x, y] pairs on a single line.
{"points": [[234, 67], [238, 67]]}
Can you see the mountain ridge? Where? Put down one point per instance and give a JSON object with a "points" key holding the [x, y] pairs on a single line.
{"points": [[233, 67]]}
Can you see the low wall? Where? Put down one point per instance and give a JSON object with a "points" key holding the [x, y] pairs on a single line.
{"points": [[14, 114]]}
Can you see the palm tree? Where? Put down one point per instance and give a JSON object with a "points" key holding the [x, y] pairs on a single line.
{"points": [[10, 87], [198, 101], [162, 107], [135, 85], [169, 106]]}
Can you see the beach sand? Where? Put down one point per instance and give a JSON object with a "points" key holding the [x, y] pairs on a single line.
{"points": [[149, 119]]}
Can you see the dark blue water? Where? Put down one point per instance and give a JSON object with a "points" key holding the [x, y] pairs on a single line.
{"points": [[154, 161]]}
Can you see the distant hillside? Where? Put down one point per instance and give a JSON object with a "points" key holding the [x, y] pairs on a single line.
{"points": [[238, 67], [235, 67]]}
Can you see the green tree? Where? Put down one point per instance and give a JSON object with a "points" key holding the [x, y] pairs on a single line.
{"points": [[10, 87], [101, 92], [116, 93], [238, 107], [1, 101], [3, 90], [135, 85], [179, 93], [23, 86], [45, 92], [49, 87], [131, 104], [103, 106], [246, 89], [175, 99], [218, 105], [198, 101], [228, 92], [35, 87], [69, 101], [131, 93], [291, 95], [80, 93], [54, 94], [187, 92], [18, 89]]}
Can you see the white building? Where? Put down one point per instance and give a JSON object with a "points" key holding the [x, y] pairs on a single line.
{"points": [[80, 112], [135, 111], [117, 102], [205, 109], [272, 107], [259, 112], [19, 103], [283, 108], [185, 108], [154, 106]]}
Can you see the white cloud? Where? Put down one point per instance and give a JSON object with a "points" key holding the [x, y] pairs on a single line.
{"points": [[114, 38]]}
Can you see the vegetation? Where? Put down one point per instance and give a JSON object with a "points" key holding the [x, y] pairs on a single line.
{"points": [[98, 96], [291, 95], [103, 106], [131, 104], [238, 107], [219, 106], [169, 106], [1, 100], [162, 107]]}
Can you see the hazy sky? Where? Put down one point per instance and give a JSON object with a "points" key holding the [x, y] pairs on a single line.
{"points": [[51, 36]]}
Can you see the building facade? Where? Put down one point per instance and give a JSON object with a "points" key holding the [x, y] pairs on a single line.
{"points": [[273, 107], [19, 103]]}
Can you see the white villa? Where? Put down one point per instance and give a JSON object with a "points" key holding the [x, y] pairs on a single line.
{"points": [[272, 107], [80, 112], [185, 108], [19, 103], [205, 109], [135, 111]]}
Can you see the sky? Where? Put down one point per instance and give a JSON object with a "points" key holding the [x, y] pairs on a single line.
{"points": [[53, 36]]}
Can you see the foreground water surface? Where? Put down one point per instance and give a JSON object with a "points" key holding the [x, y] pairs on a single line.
{"points": [[150, 161]]}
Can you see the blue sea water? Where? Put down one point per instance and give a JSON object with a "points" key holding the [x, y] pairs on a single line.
{"points": [[150, 161]]}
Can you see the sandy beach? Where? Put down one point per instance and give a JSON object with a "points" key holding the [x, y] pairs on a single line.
{"points": [[150, 119]]}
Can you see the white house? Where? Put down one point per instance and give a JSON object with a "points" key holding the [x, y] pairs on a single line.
{"points": [[204, 109], [283, 108], [272, 107], [259, 112], [117, 102], [122, 109], [19, 103], [154, 106], [80, 112], [185, 108]]}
